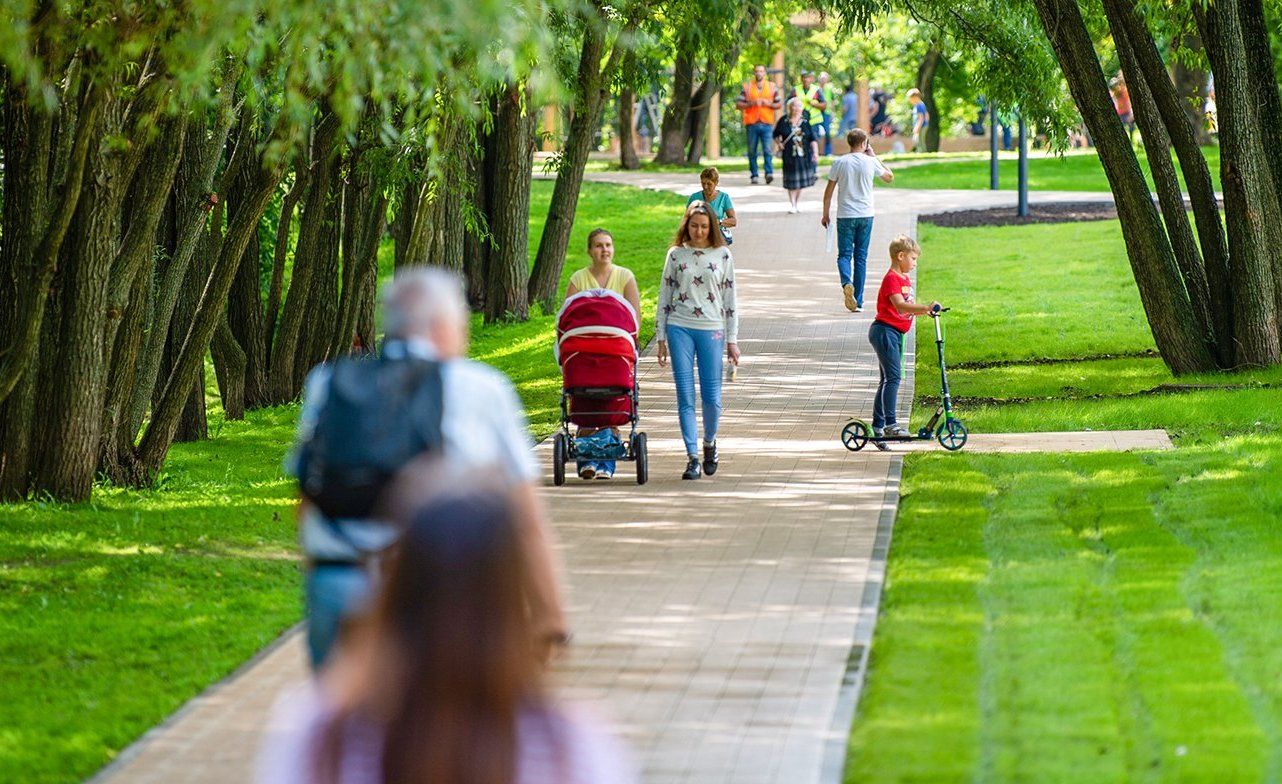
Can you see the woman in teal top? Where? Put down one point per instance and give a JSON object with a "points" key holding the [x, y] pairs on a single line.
{"points": [[719, 201]]}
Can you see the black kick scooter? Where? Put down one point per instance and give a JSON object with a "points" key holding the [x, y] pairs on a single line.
{"points": [[950, 433]]}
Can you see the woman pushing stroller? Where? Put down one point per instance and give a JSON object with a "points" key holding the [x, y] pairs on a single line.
{"points": [[602, 273]]}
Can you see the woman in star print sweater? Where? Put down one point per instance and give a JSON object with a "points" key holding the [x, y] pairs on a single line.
{"points": [[696, 322]]}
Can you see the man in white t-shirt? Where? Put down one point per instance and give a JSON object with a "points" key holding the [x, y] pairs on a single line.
{"points": [[853, 174]]}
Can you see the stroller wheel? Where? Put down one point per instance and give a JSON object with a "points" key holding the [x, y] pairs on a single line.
{"points": [[855, 435], [641, 455], [952, 435], [558, 459]]}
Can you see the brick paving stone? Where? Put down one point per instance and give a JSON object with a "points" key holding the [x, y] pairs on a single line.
{"points": [[723, 624]]}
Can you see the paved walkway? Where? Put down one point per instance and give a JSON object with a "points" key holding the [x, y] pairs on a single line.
{"points": [[724, 624]]}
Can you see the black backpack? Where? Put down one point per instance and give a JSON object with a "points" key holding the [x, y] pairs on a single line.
{"points": [[378, 415]]}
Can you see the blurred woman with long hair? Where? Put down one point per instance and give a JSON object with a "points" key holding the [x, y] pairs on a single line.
{"points": [[443, 682]]}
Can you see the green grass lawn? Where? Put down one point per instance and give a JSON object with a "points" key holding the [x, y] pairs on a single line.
{"points": [[1076, 171], [114, 613], [1089, 617]]}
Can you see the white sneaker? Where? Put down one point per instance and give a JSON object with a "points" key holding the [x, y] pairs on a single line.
{"points": [[879, 432], [604, 473], [897, 431], [587, 472]]}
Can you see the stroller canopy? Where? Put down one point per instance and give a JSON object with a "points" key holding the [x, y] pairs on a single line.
{"points": [[596, 321]]}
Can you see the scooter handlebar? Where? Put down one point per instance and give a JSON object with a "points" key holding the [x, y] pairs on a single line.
{"points": [[937, 311]]}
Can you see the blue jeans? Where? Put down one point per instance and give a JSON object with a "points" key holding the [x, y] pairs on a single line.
{"points": [[853, 236], [888, 342], [706, 347], [827, 131], [597, 465], [334, 593], [760, 135]]}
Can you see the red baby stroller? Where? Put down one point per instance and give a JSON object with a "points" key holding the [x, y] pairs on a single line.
{"points": [[596, 347]]}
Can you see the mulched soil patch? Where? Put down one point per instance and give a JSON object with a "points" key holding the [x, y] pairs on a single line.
{"points": [[1056, 212]]}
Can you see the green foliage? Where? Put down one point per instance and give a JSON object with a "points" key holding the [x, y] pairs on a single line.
{"points": [[1086, 617], [112, 614]]}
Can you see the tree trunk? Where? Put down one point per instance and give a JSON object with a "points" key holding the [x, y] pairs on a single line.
{"points": [[1156, 274], [1250, 199], [1190, 87], [311, 226], [476, 244], [363, 226], [322, 304], [627, 104], [402, 229], [926, 83], [1208, 285], [506, 293], [1157, 146], [280, 251], [229, 370], [672, 136], [555, 240], [191, 202], [244, 221]]}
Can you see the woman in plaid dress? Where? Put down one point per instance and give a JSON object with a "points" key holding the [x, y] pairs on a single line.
{"points": [[797, 144]]}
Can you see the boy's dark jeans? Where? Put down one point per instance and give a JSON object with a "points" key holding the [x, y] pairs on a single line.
{"points": [[888, 342]]}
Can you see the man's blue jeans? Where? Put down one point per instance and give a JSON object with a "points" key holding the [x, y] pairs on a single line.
{"points": [[888, 342], [827, 131], [334, 593], [706, 347], [760, 135], [853, 236]]}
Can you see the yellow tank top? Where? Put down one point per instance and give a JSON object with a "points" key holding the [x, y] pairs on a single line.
{"points": [[620, 277]]}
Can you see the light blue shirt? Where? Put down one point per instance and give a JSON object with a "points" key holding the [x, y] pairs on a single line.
{"points": [[483, 427]]}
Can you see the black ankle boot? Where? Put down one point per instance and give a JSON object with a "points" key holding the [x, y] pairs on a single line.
{"points": [[692, 468], [710, 459]]}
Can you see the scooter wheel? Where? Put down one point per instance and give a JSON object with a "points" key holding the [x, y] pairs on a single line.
{"points": [[952, 435], [855, 435]]}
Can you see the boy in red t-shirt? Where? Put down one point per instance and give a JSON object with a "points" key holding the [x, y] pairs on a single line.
{"points": [[895, 312]]}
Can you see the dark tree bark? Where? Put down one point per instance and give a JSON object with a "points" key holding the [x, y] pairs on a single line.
{"points": [[926, 70], [590, 97], [1251, 208], [192, 424], [627, 143], [1207, 282], [311, 225], [476, 243], [672, 135], [1156, 273], [1157, 145], [280, 252], [714, 75], [322, 303], [129, 289], [190, 204], [229, 371], [45, 161], [402, 228], [244, 221], [366, 218], [506, 294], [1190, 87]]}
